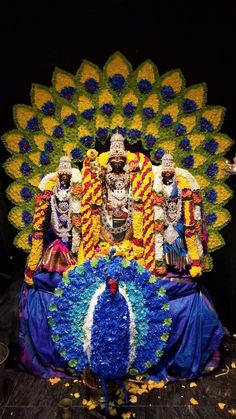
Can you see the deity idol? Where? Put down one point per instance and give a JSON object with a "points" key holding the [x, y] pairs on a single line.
{"points": [[148, 213]]}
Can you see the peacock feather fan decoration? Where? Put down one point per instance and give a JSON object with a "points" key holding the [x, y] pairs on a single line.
{"points": [[79, 112]]}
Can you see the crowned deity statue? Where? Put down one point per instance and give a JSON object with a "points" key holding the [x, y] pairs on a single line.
{"points": [[149, 213], [55, 238]]}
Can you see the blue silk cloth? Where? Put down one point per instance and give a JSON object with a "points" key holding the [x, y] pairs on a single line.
{"points": [[194, 338]]}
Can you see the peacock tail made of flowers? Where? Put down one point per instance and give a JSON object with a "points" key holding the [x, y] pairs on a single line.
{"points": [[80, 111]]}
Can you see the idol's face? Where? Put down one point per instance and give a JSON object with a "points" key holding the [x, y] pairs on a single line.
{"points": [[117, 164], [64, 179], [167, 177]]}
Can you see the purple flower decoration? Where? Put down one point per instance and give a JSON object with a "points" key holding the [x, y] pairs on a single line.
{"points": [[25, 169], [211, 218], [24, 146], [211, 195], [102, 134], [134, 134], [180, 130], [211, 146], [168, 93], [166, 121], [91, 85], [212, 170], [148, 113], [117, 82], [145, 86], [48, 146], [188, 161], [88, 114], [87, 141], [26, 194], [70, 120], [189, 106], [149, 140], [48, 108], [68, 92], [129, 109], [44, 158], [159, 153], [185, 144], [33, 124], [27, 218], [58, 132], [205, 125], [77, 154], [121, 130], [107, 108]]}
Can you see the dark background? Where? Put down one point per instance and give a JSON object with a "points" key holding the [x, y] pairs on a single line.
{"points": [[198, 38]]}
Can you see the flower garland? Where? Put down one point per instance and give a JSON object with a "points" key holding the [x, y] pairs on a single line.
{"points": [[116, 302]]}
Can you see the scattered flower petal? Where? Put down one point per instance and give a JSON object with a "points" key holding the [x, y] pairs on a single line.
{"points": [[54, 380], [133, 399], [193, 401], [76, 395], [193, 384], [221, 405]]}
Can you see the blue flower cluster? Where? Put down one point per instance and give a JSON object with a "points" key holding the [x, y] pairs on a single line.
{"points": [[26, 169], [145, 86], [87, 141], [211, 195], [33, 124], [58, 132], [180, 129], [148, 113], [27, 217], [159, 153], [133, 135], [166, 121], [121, 130], [110, 335], [70, 120], [24, 146], [107, 108], [189, 106], [44, 158], [48, 108], [188, 161], [212, 170], [48, 146], [129, 109], [88, 114], [168, 93], [149, 140], [102, 134], [205, 125], [26, 194], [77, 154], [185, 144], [91, 85], [211, 146], [68, 92], [211, 218], [117, 82]]}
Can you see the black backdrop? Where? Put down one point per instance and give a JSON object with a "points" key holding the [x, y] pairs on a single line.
{"points": [[198, 38]]}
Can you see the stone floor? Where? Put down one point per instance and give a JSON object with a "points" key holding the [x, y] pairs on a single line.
{"points": [[29, 397]]}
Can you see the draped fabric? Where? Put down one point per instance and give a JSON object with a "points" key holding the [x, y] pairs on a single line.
{"points": [[192, 347]]}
